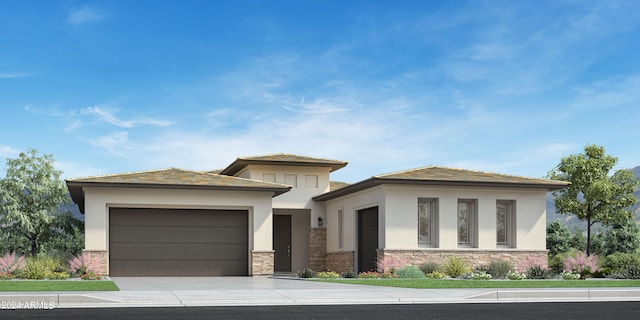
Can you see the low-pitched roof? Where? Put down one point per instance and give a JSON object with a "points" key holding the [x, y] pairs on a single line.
{"points": [[434, 175], [282, 159], [170, 178]]}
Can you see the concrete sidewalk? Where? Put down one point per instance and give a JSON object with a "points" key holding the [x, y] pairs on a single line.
{"points": [[248, 291]]}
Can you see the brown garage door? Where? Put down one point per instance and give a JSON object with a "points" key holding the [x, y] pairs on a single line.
{"points": [[177, 242]]}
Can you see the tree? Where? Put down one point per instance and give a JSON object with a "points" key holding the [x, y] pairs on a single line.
{"points": [[593, 195], [30, 196], [558, 238], [621, 237]]}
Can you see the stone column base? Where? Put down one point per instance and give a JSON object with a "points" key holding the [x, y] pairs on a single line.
{"points": [[340, 262], [262, 262], [102, 256], [317, 248]]}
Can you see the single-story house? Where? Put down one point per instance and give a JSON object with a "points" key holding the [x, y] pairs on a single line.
{"points": [[281, 213]]}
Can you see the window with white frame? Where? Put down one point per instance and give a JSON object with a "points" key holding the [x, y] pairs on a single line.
{"points": [[427, 222], [291, 179], [467, 222], [506, 223], [340, 228]]}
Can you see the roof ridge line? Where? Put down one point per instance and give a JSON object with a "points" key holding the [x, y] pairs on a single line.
{"points": [[126, 173]]}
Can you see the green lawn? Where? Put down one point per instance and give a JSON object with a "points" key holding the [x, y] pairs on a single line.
{"points": [[466, 284], [57, 285]]}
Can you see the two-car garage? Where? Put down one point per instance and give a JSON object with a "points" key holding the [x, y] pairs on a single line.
{"points": [[178, 242]]}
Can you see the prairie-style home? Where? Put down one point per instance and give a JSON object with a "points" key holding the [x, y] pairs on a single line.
{"points": [[281, 213]]}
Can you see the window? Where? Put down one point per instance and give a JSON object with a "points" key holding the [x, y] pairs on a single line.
{"points": [[467, 222], [505, 223], [291, 179], [311, 181], [269, 177], [340, 228], [427, 222]]}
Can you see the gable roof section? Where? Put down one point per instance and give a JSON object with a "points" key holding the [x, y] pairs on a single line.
{"points": [[170, 178], [282, 159], [433, 175]]}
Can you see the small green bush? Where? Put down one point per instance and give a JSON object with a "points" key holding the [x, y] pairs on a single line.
{"points": [[570, 275], [429, 267], [306, 273], [479, 276], [537, 272], [410, 272], [58, 275], [513, 275], [435, 275], [621, 263], [35, 268], [349, 274], [456, 267], [499, 269], [328, 275]]}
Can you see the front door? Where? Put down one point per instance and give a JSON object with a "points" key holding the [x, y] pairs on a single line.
{"points": [[282, 243], [367, 239]]}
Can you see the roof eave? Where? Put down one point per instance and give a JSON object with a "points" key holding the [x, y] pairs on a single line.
{"points": [[239, 164], [375, 181]]}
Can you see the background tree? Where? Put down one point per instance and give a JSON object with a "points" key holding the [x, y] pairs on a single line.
{"points": [[593, 195], [30, 197]]}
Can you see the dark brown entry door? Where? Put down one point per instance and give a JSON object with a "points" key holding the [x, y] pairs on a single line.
{"points": [[282, 243], [367, 239]]}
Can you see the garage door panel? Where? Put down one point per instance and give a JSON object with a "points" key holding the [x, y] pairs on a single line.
{"points": [[148, 234], [178, 242], [176, 217], [178, 268], [172, 251]]}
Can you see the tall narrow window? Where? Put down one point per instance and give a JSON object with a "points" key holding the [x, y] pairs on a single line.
{"points": [[467, 222], [427, 222], [340, 228], [505, 223]]}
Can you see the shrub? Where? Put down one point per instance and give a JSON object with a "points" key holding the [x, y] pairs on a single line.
{"points": [[429, 267], [410, 272], [570, 275], [582, 264], [556, 263], [306, 273], [90, 275], [369, 275], [513, 275], [499, 269], [527, 262], [537, 272], [435, 275], [58, 275], [328, 275], [83, 264], [456, 267], [481, 275], [622, 266], [10, 263], [35, 268], [390, 264], [349, 274]]}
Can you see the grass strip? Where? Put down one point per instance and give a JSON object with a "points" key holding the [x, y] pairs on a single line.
{"points": [[58, 285], [471, 284]]}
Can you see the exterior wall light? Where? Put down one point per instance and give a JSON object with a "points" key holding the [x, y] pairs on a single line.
{"points": [[319, 221]]}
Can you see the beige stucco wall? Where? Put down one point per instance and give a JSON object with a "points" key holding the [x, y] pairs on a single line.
{"points": [[398, 216], [298, 197], [402, 220], [99, 200]]}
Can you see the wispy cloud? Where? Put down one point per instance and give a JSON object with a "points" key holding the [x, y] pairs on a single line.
{"points": [[108, 115], [116, 143], [13, 75], [8, 152], [83, 15]]}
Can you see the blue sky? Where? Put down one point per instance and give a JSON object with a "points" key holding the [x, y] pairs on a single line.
{"points": [[502, 86]]}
